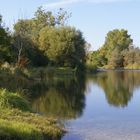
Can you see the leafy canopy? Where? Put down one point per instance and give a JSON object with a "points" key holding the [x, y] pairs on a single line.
{"points": [[63, 45]]}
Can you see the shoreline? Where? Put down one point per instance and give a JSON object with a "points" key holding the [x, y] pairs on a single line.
{"points": [[104, 70]]}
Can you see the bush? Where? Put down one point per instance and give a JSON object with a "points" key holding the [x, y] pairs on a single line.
{"points": [[133, 66], [13, 100]]}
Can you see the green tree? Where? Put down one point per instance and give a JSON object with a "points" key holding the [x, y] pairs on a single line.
{"points": [[116, 39], [5, 41], [64, 46], [132, 58], [27, 31], [42, 18], [110, 54], [26, 50], [116, 59], [96, 59]]}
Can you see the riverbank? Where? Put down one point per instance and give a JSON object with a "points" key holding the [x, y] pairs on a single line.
{"points": [[121, 69], [19, 122], [17, 119], [17, 87], [18, 125]]}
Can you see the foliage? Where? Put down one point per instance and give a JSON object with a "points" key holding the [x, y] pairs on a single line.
{"points": [[96, 59], [116, 52], [13, 100], [48, 34], [17, 121], [116, 59], [117, 39], [27, 53], [64, 46], [132, 58], [5, 50], [42, 18]]}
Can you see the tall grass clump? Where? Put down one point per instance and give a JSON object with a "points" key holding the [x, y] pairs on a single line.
{"points": [[13, 100]]}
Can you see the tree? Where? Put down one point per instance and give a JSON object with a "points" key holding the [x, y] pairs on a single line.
{"points": [[116, 39], [63, 45], [27, 31], [27, 52], [41, 19], [132, 58], [5, 41], [116, 59], [110, 54], [26, 49]]}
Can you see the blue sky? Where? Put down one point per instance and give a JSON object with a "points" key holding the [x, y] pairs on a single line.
{"points": [[93, 17]]}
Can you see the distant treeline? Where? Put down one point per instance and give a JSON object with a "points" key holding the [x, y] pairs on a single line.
{"points": [[118, 51], [47, 40]]}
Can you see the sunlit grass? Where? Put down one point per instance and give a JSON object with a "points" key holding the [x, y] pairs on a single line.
{"points": [[18, 130], [13, 100], [18, 122]]}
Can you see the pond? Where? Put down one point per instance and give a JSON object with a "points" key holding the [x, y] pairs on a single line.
{"points": [[103, 106]]}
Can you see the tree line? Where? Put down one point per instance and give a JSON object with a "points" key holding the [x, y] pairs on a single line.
{"points": [[47, 40], [118, 51], [43, 40]]}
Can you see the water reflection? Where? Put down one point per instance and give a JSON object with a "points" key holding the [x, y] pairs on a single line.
{"points": [[63, 99], [118, 86]]}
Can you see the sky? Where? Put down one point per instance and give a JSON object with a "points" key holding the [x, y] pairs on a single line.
{"points": [[93, 17]]}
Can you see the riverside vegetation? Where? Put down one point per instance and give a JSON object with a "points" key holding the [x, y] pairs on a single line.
{"points": [[44, 47], [23, 52], [17, 118]]}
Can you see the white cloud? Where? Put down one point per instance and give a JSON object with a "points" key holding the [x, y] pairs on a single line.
{"points": [[65, 3], [61, 3]]}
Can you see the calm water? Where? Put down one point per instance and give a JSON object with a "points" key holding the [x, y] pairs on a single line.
{"points": [[105, 106]]}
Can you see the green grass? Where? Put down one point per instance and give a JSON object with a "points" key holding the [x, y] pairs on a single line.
{"points": [[18, 130], [13, 100], [19, 123]]}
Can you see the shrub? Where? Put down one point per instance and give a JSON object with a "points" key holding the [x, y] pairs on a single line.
{"points": [[13, 100]]}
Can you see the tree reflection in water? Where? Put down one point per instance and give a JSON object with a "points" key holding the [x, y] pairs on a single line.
{"points": [[64, 98], [118, 86]]}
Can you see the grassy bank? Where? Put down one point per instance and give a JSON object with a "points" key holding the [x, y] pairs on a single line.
{"points": [[17, 87], [18, 122]]}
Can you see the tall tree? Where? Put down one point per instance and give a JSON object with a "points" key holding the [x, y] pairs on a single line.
{"points": [[132, 58], [116, 59], [116, 39], [5, 40], [42, 18], [63, 45]]}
